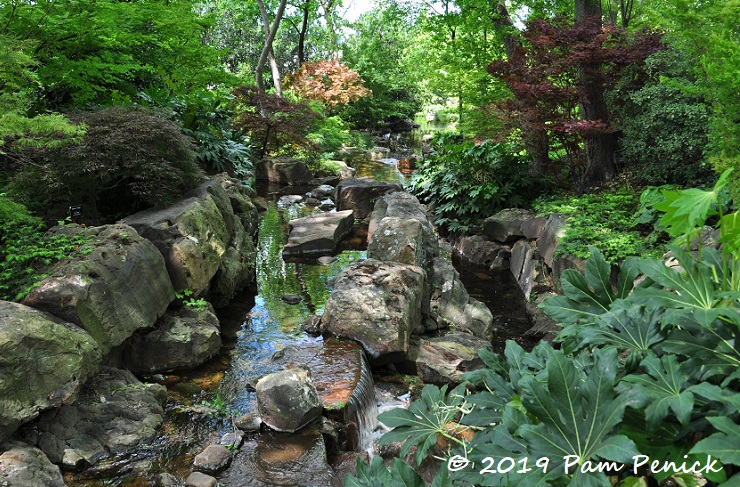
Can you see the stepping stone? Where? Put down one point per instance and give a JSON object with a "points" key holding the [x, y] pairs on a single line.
{"points": [[317, 234]]}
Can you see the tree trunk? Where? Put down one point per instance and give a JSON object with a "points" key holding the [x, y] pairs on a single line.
{"points": [[328, 7], [302, 36], [601, 149], [536, 141], [271, 54], [268, 44]]}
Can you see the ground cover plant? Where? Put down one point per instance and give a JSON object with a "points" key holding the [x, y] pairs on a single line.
{"points": [[643, 389]]}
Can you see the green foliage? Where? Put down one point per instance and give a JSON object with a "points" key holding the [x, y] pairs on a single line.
{"points": [[603, 220], [465, 182], [93, 51], [25, 249], [665, 126], [647, 365], [130, 159], [18, 86], [206, 117], [377, 475], [189, 300]]}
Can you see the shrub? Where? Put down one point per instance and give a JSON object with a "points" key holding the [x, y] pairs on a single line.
{"points": [[465, 181], [25, 249], [129, 159]]}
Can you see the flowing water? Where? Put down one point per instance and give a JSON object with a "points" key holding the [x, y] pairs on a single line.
{"points": [[261, 334]]}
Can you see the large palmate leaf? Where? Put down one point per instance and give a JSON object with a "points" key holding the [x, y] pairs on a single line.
{"points": [[578, 411], [423, 420], [730, 233], [693, 292], [590, 295], [667, 388], [626, 327], [725, 444], [711, 348], [376, 474]]}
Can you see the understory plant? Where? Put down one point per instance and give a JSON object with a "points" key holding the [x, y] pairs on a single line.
{"points": [[465, 181], [603, 220], [643, 389], [25, 249]]}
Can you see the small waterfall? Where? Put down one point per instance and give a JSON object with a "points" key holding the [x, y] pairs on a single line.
{"points": [[362, 408]]}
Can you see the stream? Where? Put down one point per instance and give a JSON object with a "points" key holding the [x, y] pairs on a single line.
{"points": [[258, 329]]}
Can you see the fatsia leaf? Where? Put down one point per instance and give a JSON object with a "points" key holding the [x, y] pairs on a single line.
{"points": [[712, 347], [373, 475], [402, 475], [730, 233], [578, 410], [625, 326], [724, 443], [665, 387], [423, 420]]}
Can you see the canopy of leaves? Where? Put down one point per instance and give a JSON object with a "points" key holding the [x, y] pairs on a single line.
{"points": [[129, 159], [328, 82]]}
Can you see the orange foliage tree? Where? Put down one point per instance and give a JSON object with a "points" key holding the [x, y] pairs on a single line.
{"points": [[329, 82]]}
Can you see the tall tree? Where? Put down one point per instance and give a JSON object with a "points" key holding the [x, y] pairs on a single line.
{"points": [[269, 38], [271, 52]]}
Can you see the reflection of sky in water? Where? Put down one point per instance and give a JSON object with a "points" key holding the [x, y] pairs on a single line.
{"points": [[272, 324]]}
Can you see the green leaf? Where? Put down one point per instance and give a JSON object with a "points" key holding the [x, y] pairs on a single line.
{"points": [[373, 475], [724, 443], [402, 475], [577, 409], [664, 387]]}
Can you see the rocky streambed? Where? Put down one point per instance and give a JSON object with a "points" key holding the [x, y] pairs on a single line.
{"points": [[376, 282]]}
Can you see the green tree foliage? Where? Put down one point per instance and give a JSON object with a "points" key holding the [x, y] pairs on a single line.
{"points": [[378, 52], [465, 181], [665, 127], [707, 33], [18, 85], [129, 159], [93, 51]]}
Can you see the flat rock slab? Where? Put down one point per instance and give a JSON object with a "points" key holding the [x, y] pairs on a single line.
{"points": [[22, 465], [360, 194], [317, 234], [213, 459], [442, 360]]}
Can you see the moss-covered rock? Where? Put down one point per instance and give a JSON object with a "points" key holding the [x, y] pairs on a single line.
{"points": [[43, 363]]}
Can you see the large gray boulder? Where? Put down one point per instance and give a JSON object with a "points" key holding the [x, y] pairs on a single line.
{"points": [[317, 234], [119, 287], [506, 225], [523, 265], [195, 234], [443, 359], [360, 194], [288, 400], [404, 206], [112, 416], [398, 240], [548, 241], [453, 307], [478, 250], [43, 363], [22, 465], [379, 304], [182, 338], [284, 171]]}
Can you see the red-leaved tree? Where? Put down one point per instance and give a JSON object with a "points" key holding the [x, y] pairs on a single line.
{"points": [[273, 121], [329, 82], [558, 74]]}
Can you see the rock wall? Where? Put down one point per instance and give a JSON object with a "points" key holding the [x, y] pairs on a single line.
{"points": [[115, 305]]}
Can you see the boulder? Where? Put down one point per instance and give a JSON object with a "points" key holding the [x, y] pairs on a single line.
{"points": [[317, 234], [548, 241], [345, 171], [119, 287], [479, 251], [533, 228], [194, 234], [182, 338], [506, 225], [452, 306], [22, 465], [523, 265], [379, 304], [288, 400], [198, 479], [321, 191], [398, 240], [236, 269], [43, 363], [113, 415], [442, 360], [403, 205], [285, 171], [213, 459], [360, 194]]}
